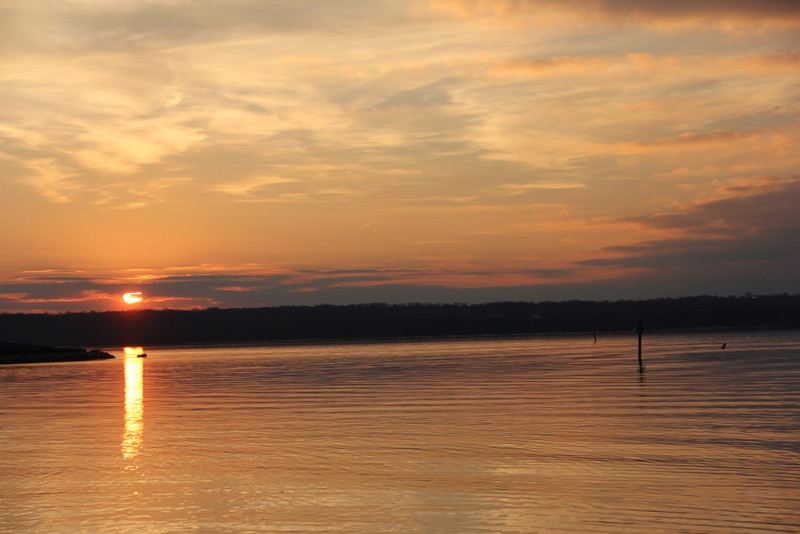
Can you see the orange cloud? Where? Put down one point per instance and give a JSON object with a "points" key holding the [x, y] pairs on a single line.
{"points": [[84, 296], [761, 207], [518, 189], [751, 184], [667, 13], [776, 63], [13, 296], [553, 65], [703, 139], [234, 288], [779, 141]]}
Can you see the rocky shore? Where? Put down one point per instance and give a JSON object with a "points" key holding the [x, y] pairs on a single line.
{"points": [[11, 353]]}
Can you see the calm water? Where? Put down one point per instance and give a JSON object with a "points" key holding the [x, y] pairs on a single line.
{"points": [[500, 435]]}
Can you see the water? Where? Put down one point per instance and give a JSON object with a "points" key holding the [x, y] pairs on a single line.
{"points": [[492, 435]]}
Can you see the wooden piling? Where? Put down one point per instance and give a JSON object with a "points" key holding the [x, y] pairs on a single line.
{"points": [[640, 331]]}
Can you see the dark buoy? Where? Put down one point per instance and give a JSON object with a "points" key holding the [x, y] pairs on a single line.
{"points": [[724, 346]]}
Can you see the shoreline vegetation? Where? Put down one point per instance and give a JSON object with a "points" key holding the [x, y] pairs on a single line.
{"points": [[11, 353], [145, 327]]}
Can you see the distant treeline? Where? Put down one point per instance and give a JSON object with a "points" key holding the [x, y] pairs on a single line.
{"points": [[365, 321]]}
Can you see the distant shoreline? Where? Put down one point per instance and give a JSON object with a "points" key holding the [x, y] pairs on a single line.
{"points": [[379, 321], [20, 353]]}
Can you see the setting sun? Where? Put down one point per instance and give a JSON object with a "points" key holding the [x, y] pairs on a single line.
{"points": [[133, 351], [132, 298]]}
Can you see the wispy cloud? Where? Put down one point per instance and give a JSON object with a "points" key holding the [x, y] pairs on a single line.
{"points": [[778, 13], [518, 189], [248, 186], [780, 62], [50, 179], [755, 230], [720, 152], [766, 208]]}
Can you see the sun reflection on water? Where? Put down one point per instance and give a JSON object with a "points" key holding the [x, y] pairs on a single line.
{"points": [[132, 438]]}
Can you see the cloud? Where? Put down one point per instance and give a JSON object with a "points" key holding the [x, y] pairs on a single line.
{"points": [[221, 285], [77, 123], [518, 189], [720, 153], [660, 67], [777, 13], [51, 179], [554, 274], [774, 61], [737, 232], [235, 288], [697, 140], [249, 186], [140, 24], [119, 147], [766, 209], [541, 66], [237, 90]]}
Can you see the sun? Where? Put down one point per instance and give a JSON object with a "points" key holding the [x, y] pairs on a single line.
{"points": [[133, 351], [132, 298]]}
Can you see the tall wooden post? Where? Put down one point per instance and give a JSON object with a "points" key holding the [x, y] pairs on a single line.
{"points": [[640, 331]]}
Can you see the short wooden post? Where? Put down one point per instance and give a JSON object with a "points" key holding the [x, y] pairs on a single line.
{"points": [[640, 331]]}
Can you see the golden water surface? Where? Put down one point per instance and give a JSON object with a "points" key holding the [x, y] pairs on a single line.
{"points": [[491, 435]]}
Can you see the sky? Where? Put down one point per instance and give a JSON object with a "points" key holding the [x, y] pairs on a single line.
{"points": [[247, 153]]}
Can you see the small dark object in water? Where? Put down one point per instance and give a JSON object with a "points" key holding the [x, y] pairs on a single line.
{"points": [[724, 345], [142, 355]]}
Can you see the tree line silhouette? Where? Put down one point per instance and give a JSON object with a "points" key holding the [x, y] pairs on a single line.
{"points": [[375, 321]]}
